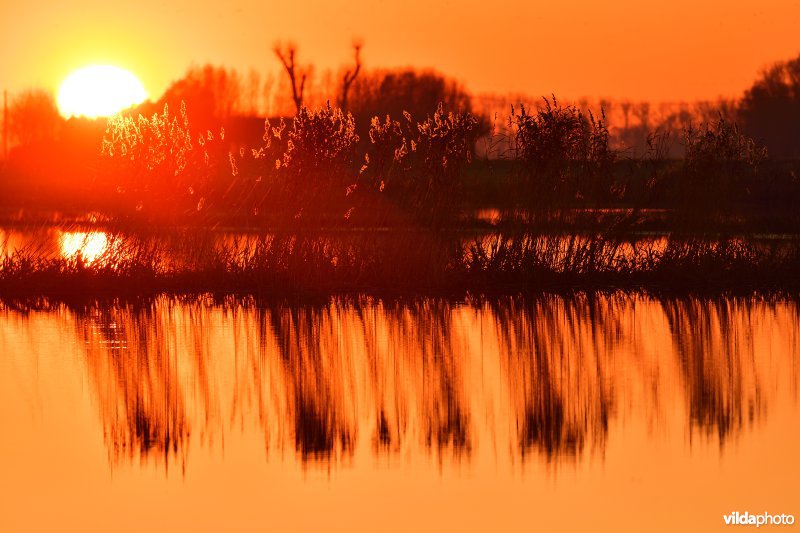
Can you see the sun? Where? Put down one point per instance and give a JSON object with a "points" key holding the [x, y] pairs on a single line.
{"points": [[99, 91]]}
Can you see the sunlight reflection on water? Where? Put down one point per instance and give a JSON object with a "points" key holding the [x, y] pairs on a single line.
{"points": [[89, 246]]}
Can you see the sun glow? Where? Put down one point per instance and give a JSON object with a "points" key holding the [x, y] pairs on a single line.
{"points": [[99, 91], [87, 246]]}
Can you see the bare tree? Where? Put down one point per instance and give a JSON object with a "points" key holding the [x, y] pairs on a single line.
{"points": [[642, 113], [297, 75], [350, 75], [252, 93], [626, 106], [267, 93]]}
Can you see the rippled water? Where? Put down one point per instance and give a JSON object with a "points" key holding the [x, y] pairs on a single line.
{"points": [[618, 412]]}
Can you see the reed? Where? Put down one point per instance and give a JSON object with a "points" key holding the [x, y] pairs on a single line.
{"points": [[413, 260], [313, 170], [563, 154]]}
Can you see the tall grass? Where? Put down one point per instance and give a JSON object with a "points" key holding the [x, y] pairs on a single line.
{"points": [[304, 168], [420, 164], [307, 176], [563, 153], [402, 260], [721, 165], [314, 171], [321, 141], [149, 156]]}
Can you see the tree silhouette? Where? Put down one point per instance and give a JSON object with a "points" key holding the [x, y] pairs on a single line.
{"points": [[211, 94], [33, 117], [381, 92], [350, 75], [770, 109], [297, 74]]}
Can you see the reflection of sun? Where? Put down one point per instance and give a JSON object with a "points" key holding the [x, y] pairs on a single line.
{"points": [[88, 246], [99, 91]]}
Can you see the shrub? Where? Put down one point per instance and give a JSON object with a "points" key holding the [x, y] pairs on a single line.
{"points": [[158, 144], [324, 139], [148, 155], [564, 153], [721, 164], [421, 163]]}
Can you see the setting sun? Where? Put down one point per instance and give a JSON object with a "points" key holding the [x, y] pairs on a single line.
{"points": [[99, 91]]}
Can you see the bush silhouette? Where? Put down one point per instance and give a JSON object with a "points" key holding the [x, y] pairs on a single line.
{"points": [[563, 153], [770, 109]]}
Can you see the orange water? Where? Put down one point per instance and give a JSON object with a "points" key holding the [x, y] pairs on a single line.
{"points": [[619, 412]]}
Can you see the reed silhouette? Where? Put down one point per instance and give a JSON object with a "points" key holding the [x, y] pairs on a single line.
{"points": [[185, 261], [722, 394]]}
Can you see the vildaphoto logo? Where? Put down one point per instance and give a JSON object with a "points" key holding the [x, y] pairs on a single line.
{"points": [[764, 519]]}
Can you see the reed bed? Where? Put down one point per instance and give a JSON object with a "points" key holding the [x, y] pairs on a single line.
{"points": [[403, 261], [325, 218], [322, 169], [315, 170]]}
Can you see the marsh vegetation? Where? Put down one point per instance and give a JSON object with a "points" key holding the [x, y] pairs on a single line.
{"points": [[343, 197]]}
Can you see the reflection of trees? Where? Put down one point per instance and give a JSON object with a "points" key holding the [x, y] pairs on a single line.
{"points": [[422, 333], [315, 377]]}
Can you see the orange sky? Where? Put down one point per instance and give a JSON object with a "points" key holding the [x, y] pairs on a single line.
{"points": [[663, 51]]}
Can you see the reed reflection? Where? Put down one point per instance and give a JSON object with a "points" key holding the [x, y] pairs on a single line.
{"points": [[722, 350], [545, 378], [558, 360], [132, 363]]}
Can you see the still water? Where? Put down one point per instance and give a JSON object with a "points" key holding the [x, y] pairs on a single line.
{"points": [[620, 412]]}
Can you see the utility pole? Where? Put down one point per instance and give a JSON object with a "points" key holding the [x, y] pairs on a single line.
{"points": [[5, 126]]}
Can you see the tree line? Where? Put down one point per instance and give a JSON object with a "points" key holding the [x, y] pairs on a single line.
{"points": [[768, 111]]}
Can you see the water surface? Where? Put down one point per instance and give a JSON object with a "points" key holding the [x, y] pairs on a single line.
{"points": [[616, 412]]}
